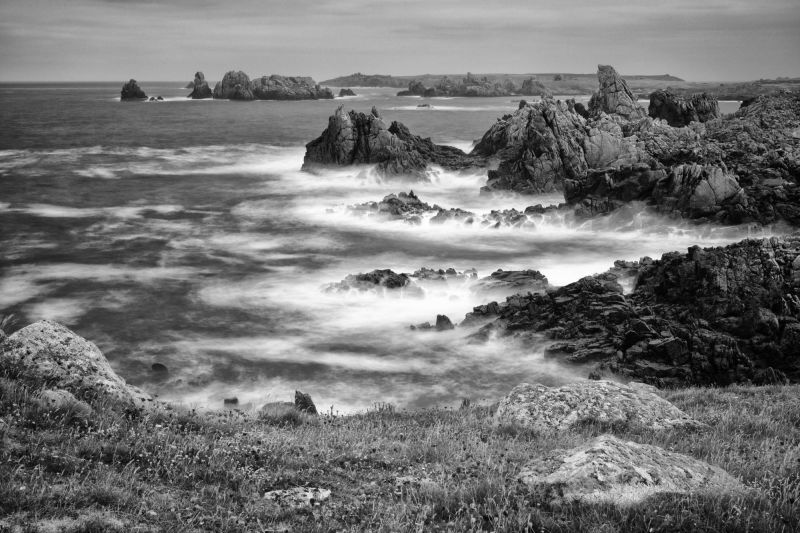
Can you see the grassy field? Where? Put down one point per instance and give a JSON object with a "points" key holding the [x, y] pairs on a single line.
{"points": [[433, 470]]}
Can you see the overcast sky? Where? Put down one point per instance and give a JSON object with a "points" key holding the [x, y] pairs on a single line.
{"points": [[170, 39]]}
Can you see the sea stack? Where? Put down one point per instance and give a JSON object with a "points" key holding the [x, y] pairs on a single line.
{"points": [[235, 85], [132, 91], [200, 87]]}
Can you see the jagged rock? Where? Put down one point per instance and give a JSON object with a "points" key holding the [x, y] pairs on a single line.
{"points": [[356, 138], [132, 91], [468, 86], [441, 274], [346, 92], [609, 470], [679, 111], [511, 282], [532, 87], [235, 85], [711, 316], [544, 408], [200, 88], [276, 87], [304, 403], [614, 97], [443, 323], [698, 191], [46, 354], [377, 280]]}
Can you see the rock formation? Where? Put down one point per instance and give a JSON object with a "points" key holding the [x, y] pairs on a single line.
{"points": [[532, 87], [511, 282], [276, 87], [545, 409], [680, 111], [235, 85], [468, 86], [358, 138], [614, 97], [346, 92], [200, 88], [132, 91], [376, 281], [710, 316], [609, 470], [46, 354]]}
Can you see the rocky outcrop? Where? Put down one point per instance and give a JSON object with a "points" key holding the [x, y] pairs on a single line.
{"points": [[609, 470], [235, 85], [47, 355], [468, 86], [132, 91], [364, 139], [545, 409], [614, 97], [710, 316], [346, 92], [200, 88], [680, 111], [533, 87], [378, 281], [511, 282], [276, 87]]}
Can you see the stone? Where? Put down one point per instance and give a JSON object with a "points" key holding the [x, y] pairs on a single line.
{"points": [[346, 92], [298, 496], [159, 368], [304, 403], [443, 323], [679, 111], [608, 470], [230, 401], [235, 85], [132, 91], [506, 282], [546, 409], [277, 87], [379, 281], [46, 353], [614, 97], [60, 401], [200, 88], [360, 139]]}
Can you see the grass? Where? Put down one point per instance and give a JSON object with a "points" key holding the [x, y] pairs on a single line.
{"points": [[432, 470]]}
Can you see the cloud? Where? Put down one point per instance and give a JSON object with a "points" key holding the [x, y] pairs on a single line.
{"points": [[170, 39]]}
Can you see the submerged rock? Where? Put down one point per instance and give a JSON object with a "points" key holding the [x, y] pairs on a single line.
{"points": [[544, 408], [132, 91], [47, 354], [200, 88], [609, 470]]}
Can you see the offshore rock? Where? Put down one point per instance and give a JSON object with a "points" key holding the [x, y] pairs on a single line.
{"points": [[679, 111], [276, 87], [235, 85], [614, 97], [609, 470], [532, 87], [200, 88], [346, 92], [359, 139], [544, 408], [379, 281], [710, 316], [46, 354], [511, 282], [132, 91]]}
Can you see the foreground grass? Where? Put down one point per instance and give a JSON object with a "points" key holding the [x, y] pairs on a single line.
{"points": [[435, 470]]}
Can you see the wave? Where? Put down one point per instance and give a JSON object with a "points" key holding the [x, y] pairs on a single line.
{"points": [[60, 211]]}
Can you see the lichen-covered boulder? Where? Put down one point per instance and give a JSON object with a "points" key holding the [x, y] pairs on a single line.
{"points": [[609, 470], [558, 408], [46, 354]]}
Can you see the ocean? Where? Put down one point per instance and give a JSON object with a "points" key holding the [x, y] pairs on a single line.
{"points": [[184, 233]]}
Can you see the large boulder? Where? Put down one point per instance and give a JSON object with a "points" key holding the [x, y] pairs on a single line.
{"points": [[47, 355], [359, 139], [679, 111], [132, 91], [609, 470], [235, 85], [545, 409], [276, 87], [614, 97], [200, 88]]}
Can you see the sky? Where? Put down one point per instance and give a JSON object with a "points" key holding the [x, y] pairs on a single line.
{"points": [[153, 40]]}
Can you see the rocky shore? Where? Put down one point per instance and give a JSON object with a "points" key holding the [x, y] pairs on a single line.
{"points": [[471, 86]]}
